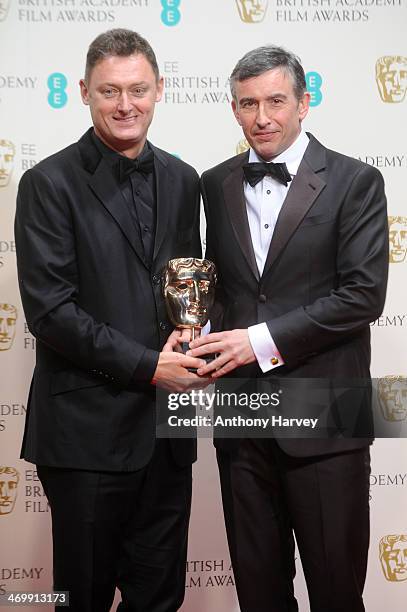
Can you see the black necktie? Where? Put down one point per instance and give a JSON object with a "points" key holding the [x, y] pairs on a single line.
{"points": [[144, 164], [256, 171]]}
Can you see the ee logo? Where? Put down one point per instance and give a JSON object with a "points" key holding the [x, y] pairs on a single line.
{"points": [[170, 15], [314, 82], [57, 83]]}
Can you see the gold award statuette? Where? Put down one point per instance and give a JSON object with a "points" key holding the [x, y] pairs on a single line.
{"points": [[189, 292]]}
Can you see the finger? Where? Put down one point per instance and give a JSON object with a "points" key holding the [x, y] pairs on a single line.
{"points": [[214, 365], [215, 337], [228, 367], [185, 335], [213, 347], [190, 362], [167, 348]]}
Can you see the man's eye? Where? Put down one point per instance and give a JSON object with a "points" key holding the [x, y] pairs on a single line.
{"points": [[109, 92], [139, 91]]}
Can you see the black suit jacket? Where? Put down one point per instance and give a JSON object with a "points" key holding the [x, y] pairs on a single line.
{"points": [[95, 308], [325, 276]]}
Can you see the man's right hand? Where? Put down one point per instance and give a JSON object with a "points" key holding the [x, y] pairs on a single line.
{"points": [[171, 372]]}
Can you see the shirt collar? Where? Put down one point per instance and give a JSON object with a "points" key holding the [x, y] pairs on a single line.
{"points": [[111, 156], [291, 156]]}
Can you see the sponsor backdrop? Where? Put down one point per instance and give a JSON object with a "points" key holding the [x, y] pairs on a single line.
{"points": [[355, 56]]}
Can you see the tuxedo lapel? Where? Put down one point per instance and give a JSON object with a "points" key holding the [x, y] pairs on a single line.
{"points": [[104, 186], [164, 192], [305, 188], [236, 207]]}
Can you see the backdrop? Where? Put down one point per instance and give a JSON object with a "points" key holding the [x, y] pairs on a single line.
{"points": [[355, 56]]}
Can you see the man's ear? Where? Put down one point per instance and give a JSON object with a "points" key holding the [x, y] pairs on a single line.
{"points": [[84, 91], [236, 111], [303, 105], [160, 87]]}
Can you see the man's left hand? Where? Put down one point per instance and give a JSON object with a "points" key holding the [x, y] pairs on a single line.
{"points": [[175, 339], [233, 349]]}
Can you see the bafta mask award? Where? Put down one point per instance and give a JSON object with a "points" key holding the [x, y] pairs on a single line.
{"points": [[189, 291]]}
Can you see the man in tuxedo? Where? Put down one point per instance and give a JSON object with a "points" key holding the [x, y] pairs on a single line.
{"points": [[95, 225], [298, 234]]}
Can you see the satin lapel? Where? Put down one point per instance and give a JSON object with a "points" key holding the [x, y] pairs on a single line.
{"points": [[107, 191], [164, 192], [236, 207], [305, 188]]}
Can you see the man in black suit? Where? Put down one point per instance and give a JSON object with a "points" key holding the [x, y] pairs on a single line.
{"points": [[301, 251], [95, 225]]}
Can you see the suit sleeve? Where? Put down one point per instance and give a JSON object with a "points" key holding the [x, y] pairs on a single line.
{"points": [[49, 280], [362, 270], [216, 314]]}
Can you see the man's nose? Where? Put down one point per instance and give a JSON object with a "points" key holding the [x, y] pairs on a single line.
{"points": [[124, 103], [262, 118], [3, 327]]}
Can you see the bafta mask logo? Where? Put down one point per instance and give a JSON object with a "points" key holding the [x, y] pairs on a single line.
{"points": [[393, 557], [242, 146], [391, 77], [9, 478], [392, 394], [4, 4], [7, 152], [252, 11], [8, 319], [397, 239], [189, 291]]}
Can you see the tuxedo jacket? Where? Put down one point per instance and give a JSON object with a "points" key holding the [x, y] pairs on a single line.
{"points": [[96, 308], [324, 279]]}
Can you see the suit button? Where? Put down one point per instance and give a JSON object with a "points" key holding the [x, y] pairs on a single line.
{"points": [[156, 279], [163, 325], [262, 299]]}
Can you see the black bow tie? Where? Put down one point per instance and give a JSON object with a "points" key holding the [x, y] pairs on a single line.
{"points": [[256, 171], [144, 164]]}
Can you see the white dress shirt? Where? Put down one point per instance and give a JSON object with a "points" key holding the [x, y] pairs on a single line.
{"points": [[264, 202]]}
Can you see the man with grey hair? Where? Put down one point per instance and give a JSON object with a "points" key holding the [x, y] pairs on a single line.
{"points": [[298, 234], [95, 225]]}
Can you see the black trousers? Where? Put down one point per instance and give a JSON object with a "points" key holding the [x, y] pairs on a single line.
{"points": [[121, 529], [267, 496]]}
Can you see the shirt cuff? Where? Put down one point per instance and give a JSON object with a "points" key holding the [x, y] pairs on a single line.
{"points": [[264, 348], [206, 329]]}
